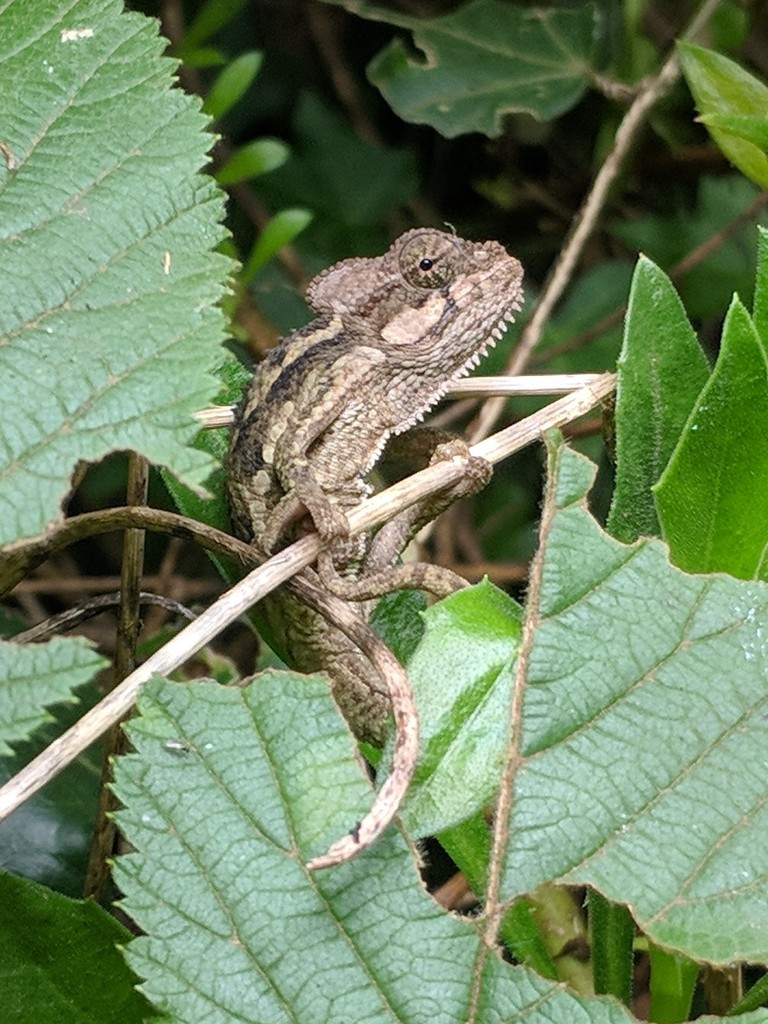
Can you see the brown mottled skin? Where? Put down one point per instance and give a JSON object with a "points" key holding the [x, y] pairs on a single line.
{"points": [[390, 336]]}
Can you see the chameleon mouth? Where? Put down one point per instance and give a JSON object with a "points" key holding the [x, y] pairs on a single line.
{"points": [[501, 278], [495, 335]]}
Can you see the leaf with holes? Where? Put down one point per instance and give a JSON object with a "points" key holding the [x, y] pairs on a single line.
{"points": [[484, 60]]}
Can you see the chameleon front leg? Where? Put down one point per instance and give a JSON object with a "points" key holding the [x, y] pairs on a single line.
{"points": [[378, 574], [395, 535], [305, 497]]}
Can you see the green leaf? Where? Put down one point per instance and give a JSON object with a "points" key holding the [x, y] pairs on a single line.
{"points": [[398, 620], [640, 764], [227, 794], [760, 307], [469, 846], [661, 371], [232, 84], [713, 495], [203, 57], [462, 676], [612, 930], [48, 838], [755, 996], [752, 127], [672, 985], [59, 960], [276, 234], [484, 60], [722, 88], [108, 318], [212, 16], [213, 508], [250, 161], [35, 676]]}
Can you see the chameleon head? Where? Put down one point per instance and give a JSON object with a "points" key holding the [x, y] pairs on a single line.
{"points": [[432, 306], [433, 300], [462, 296]]}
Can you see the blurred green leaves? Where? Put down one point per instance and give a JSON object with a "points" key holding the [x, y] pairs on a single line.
{"points": [[732, 104]]}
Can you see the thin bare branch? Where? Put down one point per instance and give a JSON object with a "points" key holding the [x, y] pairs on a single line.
{"points": [[16, 563], [470, 387], [72, 617], [128, 628], [676, 272]]}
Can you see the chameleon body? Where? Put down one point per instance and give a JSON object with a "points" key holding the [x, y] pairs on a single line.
{"points": [[390, 336]]}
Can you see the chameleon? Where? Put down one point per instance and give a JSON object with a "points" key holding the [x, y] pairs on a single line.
{"points": [[390, 335]]}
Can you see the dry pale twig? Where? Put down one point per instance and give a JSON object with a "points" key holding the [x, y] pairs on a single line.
{"points": [[470, 387], [675, 273]]}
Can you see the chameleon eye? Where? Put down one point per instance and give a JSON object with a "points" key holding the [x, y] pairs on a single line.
{"points": [[430, 259]]}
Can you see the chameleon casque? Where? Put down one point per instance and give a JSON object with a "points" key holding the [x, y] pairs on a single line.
{"points": [[390, 335]]}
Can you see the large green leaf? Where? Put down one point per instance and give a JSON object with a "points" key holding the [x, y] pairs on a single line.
{"points": [[724, 89], [760, 306], [48, 837], [713, 496], [661, 371], [59, 962], [639, 764], [226, 796], [484, 60], [108, 325], [35, 676]]}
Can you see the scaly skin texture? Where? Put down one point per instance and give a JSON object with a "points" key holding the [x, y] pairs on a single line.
{"points": [[391, 335]]}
